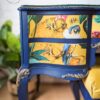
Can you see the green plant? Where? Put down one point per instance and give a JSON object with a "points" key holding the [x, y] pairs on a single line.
{"points": [[9, 51]]}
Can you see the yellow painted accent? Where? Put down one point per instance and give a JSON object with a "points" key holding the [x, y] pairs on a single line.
{"points": [[92, 82], [54, 49], [31, 28]]}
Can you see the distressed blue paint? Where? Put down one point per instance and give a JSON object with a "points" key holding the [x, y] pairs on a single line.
{"points": [[93, 51], [89, 42], [73, 12], [57, 66], [23, 89], [56, 71], [85, 93], [75, 88], [58, 40], [24, 40], [67, 7]]}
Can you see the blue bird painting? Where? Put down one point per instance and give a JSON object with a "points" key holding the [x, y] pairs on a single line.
{"points": [[71, 33]]}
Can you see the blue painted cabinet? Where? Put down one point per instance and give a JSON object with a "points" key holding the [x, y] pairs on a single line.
{"points": [[58, 41]]}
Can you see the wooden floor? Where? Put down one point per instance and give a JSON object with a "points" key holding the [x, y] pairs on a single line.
{"points": [[47, 92]]}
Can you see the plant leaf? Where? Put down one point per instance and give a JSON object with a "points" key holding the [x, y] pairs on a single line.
{"points": [[3, 80], [13, 42], [11, 73], [82, 18], [11, 56], [11, 59]]}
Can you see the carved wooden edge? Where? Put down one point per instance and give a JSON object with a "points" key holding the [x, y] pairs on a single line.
{"points": [[22, 74], [95, 45]]}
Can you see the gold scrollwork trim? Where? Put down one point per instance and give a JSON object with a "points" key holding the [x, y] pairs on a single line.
{"points": [[95, 45], [21, 74], [78, 75]]}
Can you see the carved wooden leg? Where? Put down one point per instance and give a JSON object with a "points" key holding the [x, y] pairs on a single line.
{"points": [[23, 89], [75, 88], [38, 83]]}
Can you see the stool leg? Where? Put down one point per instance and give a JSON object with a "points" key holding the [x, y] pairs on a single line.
{"points": [[75, 88], [23, 89], [38, 83]]}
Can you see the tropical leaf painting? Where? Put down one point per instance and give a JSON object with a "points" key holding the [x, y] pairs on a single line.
{"points": [[73, 55], [82, 18], [29, 18], [32, 60], [97, 19], [83, 45], [35, 56], [38, 52], [36, 19]]}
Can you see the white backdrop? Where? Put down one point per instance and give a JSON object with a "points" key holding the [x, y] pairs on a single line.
{"points": [[9, 11]]}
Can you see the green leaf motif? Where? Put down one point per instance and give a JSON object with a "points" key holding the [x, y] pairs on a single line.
{"points": [[29, 18], [83, 46], [97, 19], [39, 57], [37, 18], [32, 60], [85, 26], [82, 18], [38, 52]]}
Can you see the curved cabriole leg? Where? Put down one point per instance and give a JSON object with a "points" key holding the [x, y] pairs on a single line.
{"points": [[75, 88], [23, 89]]}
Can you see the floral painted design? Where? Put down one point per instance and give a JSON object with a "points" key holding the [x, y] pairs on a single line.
{"points": [[96, 26], [60, 26], [55, 26], [58, 53]]}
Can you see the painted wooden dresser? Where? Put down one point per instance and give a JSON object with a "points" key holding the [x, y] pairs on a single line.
{"points": [[58, 41]]}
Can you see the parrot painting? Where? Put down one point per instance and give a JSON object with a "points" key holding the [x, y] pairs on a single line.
{"points": [[71, 33]]}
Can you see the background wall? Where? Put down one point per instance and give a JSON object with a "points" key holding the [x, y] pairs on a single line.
{"points": [[8, 10]]}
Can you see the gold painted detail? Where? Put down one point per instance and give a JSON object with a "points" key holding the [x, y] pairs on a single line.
{"points": [[21, 74], [78, 75], [95, 45]]}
